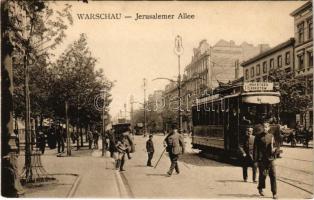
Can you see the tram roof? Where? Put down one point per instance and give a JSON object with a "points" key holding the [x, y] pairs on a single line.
{"points": [[240, 88], [219, 97]]}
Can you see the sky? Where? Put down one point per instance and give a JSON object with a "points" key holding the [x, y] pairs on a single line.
{"points": [[129, 50]]}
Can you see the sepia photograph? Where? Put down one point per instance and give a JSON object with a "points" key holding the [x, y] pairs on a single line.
{"points": [[157, 99]]}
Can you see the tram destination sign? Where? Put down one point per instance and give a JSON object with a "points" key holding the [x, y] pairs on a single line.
{"points": [[258, 86]]}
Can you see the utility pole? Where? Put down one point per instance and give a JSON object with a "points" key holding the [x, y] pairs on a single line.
{"points": [[28, 147], [125, 111], [103, 122], [145, 125], [132, 117]]}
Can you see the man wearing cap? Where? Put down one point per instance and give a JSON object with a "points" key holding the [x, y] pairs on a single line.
{"points": [[247, 155], [150, 150], [174, 143], [263, 154]]}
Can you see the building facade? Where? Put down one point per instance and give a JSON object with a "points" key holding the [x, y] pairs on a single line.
{"points": [[209, 66], [303, 54], [225, 56], [294, 55], [280, 57]]}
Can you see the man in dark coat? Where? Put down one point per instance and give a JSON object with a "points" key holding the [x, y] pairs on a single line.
{"points": [[95, 138], [174, 143], [264, 154], [41, 141], [60, 139], [247, 155], [150, 150], [112, 143]]}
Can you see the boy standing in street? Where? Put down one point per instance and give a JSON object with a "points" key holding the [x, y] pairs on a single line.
{"points": [[150, 150]]}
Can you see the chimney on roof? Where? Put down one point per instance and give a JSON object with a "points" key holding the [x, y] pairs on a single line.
{"points": [[236, 69], [263, 47]]}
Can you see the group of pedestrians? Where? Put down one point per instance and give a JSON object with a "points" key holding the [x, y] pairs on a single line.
{"points": [[120, 146], [259, 152]]}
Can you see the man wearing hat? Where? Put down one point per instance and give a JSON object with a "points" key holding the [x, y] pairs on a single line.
{"points": [[263, 154], [174, 143]]}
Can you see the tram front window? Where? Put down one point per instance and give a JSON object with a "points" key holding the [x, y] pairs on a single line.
{"points": [[257, 113]]}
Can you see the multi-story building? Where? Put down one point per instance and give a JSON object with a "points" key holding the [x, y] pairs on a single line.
{"points": [[225, 56], [294, 55], [303, 53], [211, 65], [279, 57]]}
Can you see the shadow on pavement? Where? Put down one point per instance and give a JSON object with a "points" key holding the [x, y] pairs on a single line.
{"points": [[241, 195], [140, 166], [231, 181], [165, 175], [197, 160]]}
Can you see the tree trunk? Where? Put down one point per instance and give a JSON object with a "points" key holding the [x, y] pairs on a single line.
{"points": [[10, 183], [81, 135]]}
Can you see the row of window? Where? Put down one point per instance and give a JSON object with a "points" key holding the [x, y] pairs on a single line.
{"points": [[265, 78], [257, 72], [211, 114], [202, 65], [301, 30]]}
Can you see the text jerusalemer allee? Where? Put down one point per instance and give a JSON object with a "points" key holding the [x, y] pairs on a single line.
{"points": [[138, 16]]}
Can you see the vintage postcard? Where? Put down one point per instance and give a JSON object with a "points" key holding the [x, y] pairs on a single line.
{"points": [[157, 99]]}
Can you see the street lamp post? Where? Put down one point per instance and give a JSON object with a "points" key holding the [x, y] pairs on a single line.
{"points": [[67, 129], [178, 50]]}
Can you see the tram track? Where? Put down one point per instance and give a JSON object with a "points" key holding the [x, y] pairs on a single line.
{"points": [[298, 159], [122, 183], [298, 170], [281, 179], [292, 182], [127, 186]]}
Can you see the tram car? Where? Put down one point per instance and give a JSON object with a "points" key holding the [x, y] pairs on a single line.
{"points": [[120, 128], [220, 120], [124, 128]]}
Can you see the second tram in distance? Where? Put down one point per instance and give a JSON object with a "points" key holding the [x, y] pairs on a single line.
{"points": [[220, 120]]}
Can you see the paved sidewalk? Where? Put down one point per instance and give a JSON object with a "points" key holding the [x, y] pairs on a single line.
{"points": [[84, 174]]}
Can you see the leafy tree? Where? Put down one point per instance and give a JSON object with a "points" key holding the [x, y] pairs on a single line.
{"points": [[37, 28], [10, 186], [294, 98], [76, 81]]}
